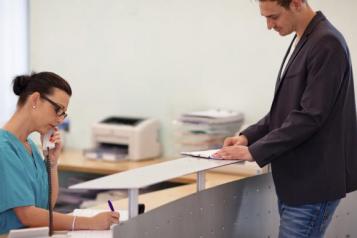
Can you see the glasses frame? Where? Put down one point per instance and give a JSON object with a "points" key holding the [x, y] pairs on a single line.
{"points": [[56, 106]]}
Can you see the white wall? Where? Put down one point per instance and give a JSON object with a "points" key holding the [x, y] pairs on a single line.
{"points": [[159, 58]]}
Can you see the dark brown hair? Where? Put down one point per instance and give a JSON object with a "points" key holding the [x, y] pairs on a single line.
{"points": [[283, 3], [43, 83]]}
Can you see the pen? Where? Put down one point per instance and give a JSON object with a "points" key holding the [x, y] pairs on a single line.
{"points": [[111, 205]]}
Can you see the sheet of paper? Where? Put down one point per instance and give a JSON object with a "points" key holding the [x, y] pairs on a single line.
{"points": [[124, 215], [214, 113], [206, 154], [90, 234]]}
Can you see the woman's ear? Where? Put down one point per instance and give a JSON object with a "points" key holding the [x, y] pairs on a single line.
{"points": [[34, 99]]}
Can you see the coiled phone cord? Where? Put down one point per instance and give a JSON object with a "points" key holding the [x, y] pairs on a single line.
{"points": [[50, 210]]}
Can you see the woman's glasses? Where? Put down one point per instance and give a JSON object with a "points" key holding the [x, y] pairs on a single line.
{"points": [[58, 109]]}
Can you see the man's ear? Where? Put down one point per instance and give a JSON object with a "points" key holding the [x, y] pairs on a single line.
{"points": [[297, 4]]}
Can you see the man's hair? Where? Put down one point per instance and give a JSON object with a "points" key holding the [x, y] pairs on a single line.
{"points": [[283, 3]]}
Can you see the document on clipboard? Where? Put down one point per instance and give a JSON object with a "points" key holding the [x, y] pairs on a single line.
{"points": [[205, 154]]}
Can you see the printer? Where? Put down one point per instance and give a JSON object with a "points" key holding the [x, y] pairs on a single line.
{"points": [[130, 138]]}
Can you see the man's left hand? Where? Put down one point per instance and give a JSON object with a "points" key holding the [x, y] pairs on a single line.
{"points": [[234, 152]]}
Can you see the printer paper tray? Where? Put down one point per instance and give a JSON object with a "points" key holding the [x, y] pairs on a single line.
{"points": [[106, 152]]}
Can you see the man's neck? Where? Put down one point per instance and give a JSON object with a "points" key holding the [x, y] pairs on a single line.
{"points": [[304, 20]]}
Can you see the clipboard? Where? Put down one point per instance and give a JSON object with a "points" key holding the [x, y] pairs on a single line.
{"points": [[204, 154]]}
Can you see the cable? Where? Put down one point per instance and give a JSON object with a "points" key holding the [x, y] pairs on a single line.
{"points": [[50, 210]]}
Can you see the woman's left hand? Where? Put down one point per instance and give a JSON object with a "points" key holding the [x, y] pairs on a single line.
{"points": [[54, 153]]}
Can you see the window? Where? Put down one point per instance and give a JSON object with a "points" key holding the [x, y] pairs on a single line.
{"points": [[14, 51]]}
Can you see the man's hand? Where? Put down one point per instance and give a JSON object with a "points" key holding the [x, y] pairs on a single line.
{"points": [[234, 152], [236, 140]]}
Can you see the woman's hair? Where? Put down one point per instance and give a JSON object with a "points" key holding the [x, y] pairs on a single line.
{"points": [[43, 83]]}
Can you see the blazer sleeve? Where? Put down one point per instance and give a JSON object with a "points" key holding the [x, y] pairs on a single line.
{"points": [[257, 130], [327, 62]]}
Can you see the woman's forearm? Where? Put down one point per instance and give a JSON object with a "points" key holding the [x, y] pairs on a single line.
{"points": [[60, 221]]}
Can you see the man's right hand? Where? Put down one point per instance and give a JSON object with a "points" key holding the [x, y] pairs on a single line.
{"points": [[236, 140]]}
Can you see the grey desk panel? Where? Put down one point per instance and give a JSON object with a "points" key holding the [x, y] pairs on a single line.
{"points": [[344, 223], [239, 207], [246, 208]]}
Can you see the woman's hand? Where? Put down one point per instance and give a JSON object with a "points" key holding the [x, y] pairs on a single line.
{"points": [[54, 153], [104, 220]]}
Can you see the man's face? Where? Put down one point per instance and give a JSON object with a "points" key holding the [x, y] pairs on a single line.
{"points": [[278, 18]]}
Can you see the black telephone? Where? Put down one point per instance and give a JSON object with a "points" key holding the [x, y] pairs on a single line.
{"points": [[47, 145]]}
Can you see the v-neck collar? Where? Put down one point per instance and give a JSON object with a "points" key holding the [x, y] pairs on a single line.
{"points": [[21, 146]]}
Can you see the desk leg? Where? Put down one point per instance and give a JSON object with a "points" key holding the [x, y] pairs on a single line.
{"points": [[133, 202], [201, 181]]}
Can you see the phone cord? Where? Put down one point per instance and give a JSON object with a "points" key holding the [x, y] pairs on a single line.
{"points": [[50, 210]]}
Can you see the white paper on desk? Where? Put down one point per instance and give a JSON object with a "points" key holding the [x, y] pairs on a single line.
{"points": [[205, 154], [90, 234], [95, 233]]}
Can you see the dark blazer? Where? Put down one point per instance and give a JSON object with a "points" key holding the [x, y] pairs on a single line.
{"points": [[310, 134]]}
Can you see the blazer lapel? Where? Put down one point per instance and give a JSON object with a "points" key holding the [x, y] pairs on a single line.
{"points": [[318, 17], [291, 60], [282, 65]]}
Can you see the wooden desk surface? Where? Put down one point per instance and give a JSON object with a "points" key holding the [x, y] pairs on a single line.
{"points": [[74, 161]]}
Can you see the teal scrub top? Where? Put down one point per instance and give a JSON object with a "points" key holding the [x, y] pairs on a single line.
{"points": [[23, 180]]}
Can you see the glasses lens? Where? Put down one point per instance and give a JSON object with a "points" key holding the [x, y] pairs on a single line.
{"points": [[60, 112], [58, 109]]}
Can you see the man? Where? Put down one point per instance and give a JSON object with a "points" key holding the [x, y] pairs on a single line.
{"points": [[309, 135]]}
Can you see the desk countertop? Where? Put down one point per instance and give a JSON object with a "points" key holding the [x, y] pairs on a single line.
{"points": [[74, 161], [158, 198]]}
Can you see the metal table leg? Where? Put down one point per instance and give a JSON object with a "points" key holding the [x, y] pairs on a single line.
{"points": [[133, 202], [201, 180]]}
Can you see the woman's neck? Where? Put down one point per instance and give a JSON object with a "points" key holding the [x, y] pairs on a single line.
{"points": [[20, 125]]}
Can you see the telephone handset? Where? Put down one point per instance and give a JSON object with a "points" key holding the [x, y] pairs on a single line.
{"points": [[47, 145]]}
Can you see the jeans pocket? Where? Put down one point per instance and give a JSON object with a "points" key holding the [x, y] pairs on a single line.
{"points": [[328, 213]]}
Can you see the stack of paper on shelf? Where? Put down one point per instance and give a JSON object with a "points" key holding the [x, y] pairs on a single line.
{"points": [[203, 130]]}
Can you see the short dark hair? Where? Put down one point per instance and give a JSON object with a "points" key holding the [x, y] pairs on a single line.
{"points": [[283, 3], [43, 83]]}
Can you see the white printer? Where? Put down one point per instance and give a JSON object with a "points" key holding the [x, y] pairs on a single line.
{"points": [[116, 138]]}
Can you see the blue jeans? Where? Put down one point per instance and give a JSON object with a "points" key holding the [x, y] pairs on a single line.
{"points": [[309, 220]]}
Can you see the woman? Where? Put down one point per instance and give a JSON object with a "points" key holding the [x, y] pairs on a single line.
{"points": [[42, 105]]}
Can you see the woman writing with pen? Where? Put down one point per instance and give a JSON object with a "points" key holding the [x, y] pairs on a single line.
{"points": [[42, 105]]}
